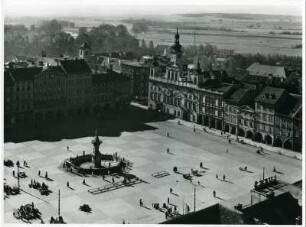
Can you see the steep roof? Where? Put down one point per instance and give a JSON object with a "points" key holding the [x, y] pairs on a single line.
{"points": [[256, 69], [291, 105], [75, 66], [134, 63], [52, 68], [238, 96], [270, 95], [24, 74], [109, 76], [244, 96]]}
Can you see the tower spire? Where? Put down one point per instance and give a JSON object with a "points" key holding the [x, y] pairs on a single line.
{"points": [[177, 36]]}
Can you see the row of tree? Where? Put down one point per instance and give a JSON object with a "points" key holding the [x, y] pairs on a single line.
{"points": [[50, 37]]}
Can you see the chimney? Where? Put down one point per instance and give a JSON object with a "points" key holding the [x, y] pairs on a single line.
{"points": [[238, 207]]}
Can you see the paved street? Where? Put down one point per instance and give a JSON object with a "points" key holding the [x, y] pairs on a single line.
{"points": [[148, 152]]}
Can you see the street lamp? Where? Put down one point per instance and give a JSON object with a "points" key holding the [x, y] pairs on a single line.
{"points": [[238, 118]]}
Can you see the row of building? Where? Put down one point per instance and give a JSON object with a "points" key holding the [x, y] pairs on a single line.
{"points": [[52, 91], [264, 114], [51, 88]]}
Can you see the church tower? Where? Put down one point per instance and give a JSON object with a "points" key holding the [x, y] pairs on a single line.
{"points": [[84, 51], [176, 49]]}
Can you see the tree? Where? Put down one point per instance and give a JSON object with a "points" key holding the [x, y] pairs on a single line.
{"points": [[83, 38], [201, 49], [82, 30], [151, 45], [140, 26], [32, 28], [143, 44]]}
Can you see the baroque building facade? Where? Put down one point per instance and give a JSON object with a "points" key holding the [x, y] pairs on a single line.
{"points": [[51, 92], [210, 99]]}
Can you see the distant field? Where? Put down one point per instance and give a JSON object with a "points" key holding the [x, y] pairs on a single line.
{"points": [[208, 27], [243, 44], [245, 33]]}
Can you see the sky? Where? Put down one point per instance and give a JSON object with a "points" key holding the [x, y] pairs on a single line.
{"points": [[147, 7]]}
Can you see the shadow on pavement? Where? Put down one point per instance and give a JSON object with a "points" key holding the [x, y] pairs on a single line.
{"points": [[108, 123]]}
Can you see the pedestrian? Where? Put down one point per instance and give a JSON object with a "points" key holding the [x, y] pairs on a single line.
{"points": [[17, 163], [25, 163], [199, 183], [140, 202], [201, 165], [223, 177], [113, 180], [46, 175], [83, 153], [194, 129], [168, 150], [166, 214], [68, 184], [214, 192], [274, 169], [67, 148], [171, 190], [84, 182], [13, 173], [168, 134], [123, 221], [168, 200], [38, 172], [217, 176], [179, 122]]}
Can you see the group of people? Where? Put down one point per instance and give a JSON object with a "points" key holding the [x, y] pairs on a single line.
{"points": [[46, 174], [224, 177], [41, 187], [58, 220], [243, 168]]}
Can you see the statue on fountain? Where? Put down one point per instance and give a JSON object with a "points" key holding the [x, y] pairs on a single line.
{"points": [[96, 142]]}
